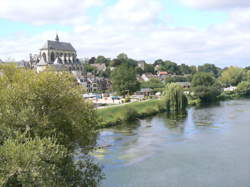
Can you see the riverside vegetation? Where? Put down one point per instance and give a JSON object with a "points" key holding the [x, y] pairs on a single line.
{"points": [[43, 120]]}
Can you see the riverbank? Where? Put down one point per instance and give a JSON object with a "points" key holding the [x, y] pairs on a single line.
{"points": [[117, 114]]}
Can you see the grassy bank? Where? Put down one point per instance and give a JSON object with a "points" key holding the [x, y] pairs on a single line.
{"points": [[115, 115]]}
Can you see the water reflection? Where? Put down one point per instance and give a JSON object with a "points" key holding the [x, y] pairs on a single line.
{"points": [[154, 143]]}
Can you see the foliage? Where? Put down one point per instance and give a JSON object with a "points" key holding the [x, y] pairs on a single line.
{"points": [[205, 87], [149, 68], [89, 68], [232, 76], [175, 99], [38, 161], [185, 69], [124, 80], [152, 83], [114, 115], [169, 66], [43, 106], [243, 89], [202, 79], [178, 79], [210, 68]]}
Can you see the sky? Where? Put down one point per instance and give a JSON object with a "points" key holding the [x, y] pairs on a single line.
{"points": [[193, 32]]}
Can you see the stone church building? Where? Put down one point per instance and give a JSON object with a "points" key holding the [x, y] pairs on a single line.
{"points": [[60, 55]]}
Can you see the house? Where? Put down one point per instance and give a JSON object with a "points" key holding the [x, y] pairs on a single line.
{"points": [[141, 64], [230, 89], [147, 76], [144, 92], [99, 67], [162, 75]]}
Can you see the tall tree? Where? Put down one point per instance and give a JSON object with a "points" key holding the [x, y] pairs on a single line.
{"points": [[205, 86], [175, 99], [232, 76], [124, 80], [43, 107], [210, 68]]}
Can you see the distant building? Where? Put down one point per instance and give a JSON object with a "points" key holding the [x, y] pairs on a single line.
{"points": [[141, 64], [57, 54]]}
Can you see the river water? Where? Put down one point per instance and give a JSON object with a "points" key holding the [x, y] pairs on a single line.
{"points": [[209, 148]]}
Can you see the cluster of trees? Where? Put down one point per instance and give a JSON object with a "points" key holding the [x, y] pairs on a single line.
{"points": [[43, 120]]}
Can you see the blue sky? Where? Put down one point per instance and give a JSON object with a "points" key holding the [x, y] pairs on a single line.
{"points": [[186, 31]]}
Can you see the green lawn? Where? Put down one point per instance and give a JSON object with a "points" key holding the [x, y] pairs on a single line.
{"points": [[116, 114]]}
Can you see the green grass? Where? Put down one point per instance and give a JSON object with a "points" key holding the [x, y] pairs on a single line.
{"points": [[114, 115]]}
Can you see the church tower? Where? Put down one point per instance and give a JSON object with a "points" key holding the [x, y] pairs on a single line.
{"points": [[57, 38]]}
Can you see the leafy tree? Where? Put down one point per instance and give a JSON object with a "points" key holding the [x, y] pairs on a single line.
{"points": [[177, 79], [102, 60], [232, 76], [193, 69], [210, 68], [243, 88], [89, 68], [205, 86], [124, 80], [92, 60], [247, 68], [169, 67], [158, 62], [184, 69], [122, 56], [43, 106], [175, 99], [152, 83], [149, 68]]}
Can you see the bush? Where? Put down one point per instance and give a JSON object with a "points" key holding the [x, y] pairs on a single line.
{"points": [[129, 113], [243, 89]]}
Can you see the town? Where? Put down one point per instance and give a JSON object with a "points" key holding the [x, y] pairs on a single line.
{"points": [[95, 74]]}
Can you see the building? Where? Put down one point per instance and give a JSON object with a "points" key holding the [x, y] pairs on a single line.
{"points": [[57, 54]]}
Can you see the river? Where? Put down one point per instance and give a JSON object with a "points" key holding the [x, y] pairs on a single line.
{"points": [[209, 148]]}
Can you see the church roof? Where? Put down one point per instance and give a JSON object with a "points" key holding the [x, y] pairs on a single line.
{"points": [[63, 46]]}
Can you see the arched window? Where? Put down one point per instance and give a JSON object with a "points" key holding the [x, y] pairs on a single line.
{"points": [[52, 57], [65, 59], [44, 57]]}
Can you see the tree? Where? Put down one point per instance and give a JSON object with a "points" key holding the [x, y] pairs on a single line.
{"points": [[184, 69], [243, 89], [122, 56], [210, 68], [124, 80], [152, 83], [205, 87], [175, 99], [102, 60], [149, 68], [44, 106], [178, 79], [169, 67], [232, 76]]}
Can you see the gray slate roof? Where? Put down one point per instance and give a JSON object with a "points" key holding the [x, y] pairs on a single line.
{"points": [[64, 46]]}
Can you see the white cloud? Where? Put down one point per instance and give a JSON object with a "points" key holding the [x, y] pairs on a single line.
{"points": [[132, 12], [217, 4], [46, 12], [147, 37]]}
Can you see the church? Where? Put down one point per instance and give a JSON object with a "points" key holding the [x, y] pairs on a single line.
{"points": [[59, 55]]}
